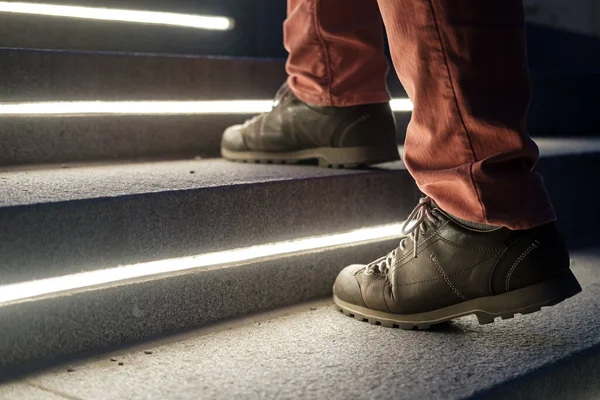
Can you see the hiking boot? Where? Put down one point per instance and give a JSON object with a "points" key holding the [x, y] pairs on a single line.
{"points": [[443, 269], [294, 132]]}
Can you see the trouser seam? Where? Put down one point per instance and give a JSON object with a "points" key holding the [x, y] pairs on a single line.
{"points": [[462, 121], [323, 48]]}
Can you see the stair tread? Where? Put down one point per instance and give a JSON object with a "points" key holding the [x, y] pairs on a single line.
{"points": [[321, 354], [34, 185], [56, 184], [57, 221], [67, 75], [54, 239]]}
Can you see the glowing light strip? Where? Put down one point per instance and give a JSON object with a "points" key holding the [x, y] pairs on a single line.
{"points": [[137, 107], [401, 105], [30, 289], [153, 107], [110, 14]]}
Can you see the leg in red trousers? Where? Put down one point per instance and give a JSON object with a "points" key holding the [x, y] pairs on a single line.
{"points": [[464, 65], [334, 108], [482, 242], [336, 52]]}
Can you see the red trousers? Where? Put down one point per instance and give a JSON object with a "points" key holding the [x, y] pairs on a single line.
{"points": [[463, 63]]}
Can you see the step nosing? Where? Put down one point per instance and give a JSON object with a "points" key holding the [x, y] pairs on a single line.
{"points": [[110, 276], [462, 360], [287, 180]]}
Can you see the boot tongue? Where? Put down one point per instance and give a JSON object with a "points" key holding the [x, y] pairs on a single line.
{"points": [[283, 91], [479, 226]]}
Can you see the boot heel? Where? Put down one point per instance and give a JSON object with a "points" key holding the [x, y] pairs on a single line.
{"points": [[529, 299]]}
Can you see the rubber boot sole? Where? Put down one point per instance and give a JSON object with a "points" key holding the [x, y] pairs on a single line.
{"points": [[526, 300], [332, 157]]}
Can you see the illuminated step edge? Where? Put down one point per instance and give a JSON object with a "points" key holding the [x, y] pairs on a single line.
{"points": [[50, 286], [154, 107], [110, 14]]}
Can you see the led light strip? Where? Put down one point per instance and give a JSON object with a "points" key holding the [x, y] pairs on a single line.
{"points": [[110, 14], [153, 107], [400, 105], [30, 289]]}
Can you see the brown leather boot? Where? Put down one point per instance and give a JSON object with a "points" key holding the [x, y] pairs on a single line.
{"points": [[443, 270], [294, 131]]}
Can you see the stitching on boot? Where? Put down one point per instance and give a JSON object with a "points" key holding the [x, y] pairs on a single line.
{"points": [[450, 275], [439, 267], [492, 250], [338, 139], [385, 301], [407, 260], [476, 265], [503, 256], [400, 261], [418, 282], [533, 246]]}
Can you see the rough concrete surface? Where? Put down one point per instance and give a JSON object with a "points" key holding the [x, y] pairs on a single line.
{"points": [[52, 139], [34, 331], [83, 138], [59, 221], [51, 75], [55, 183], [578, 377], [557, 108], [28, 391], [323, 354]]}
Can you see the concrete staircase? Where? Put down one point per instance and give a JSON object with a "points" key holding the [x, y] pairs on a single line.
{"points": [[120, 228], [312, 351]]}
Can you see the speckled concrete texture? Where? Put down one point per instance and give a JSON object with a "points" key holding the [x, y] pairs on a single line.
{"points": [[576, 377], [43, 329], [26, 391], [60, 221], [322, 354], [57, 221], [40, 140], [61, 139], [53, 75]]}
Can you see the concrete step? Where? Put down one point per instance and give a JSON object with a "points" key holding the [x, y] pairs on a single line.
{"points": [[313, 351], [51, 76], [61, 221], [563, 104], [46, 75], [119, 306], [126, 252], [56, 221], [34, 76]]}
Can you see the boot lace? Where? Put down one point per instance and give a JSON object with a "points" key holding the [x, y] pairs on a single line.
{"points": [[412, 229], [281, 94]]}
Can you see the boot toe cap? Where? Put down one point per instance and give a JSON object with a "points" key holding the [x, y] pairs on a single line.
{"points": [[346, 286], [233, 139]]}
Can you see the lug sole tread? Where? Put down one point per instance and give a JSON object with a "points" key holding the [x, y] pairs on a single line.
{"points": [[349, 158], [482, 317], [321, 163]]}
